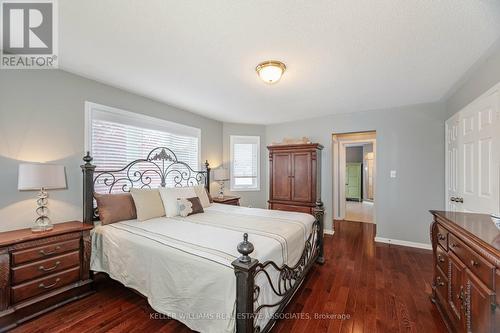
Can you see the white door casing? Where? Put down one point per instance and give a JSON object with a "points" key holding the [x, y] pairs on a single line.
{"points": [[339, 144]]}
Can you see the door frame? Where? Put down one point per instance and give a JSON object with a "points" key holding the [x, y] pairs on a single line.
{"points": [[340, 141]]}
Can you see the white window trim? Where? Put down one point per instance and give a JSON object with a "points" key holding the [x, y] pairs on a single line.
{"points": [[136, 119], [231, 154]]}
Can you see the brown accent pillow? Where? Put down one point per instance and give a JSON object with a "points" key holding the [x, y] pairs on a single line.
{"points": [[189, 206], [115, 207]]}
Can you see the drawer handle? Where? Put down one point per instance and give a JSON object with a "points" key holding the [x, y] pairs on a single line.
{"points": [[441, 236], [440, 258], [454, 245], [474, 263], [439, 282], [41, 268], [42, 285], [42, 252]]}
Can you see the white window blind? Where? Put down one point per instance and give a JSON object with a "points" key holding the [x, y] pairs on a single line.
{"points": [[245, 163], [116, 138]]}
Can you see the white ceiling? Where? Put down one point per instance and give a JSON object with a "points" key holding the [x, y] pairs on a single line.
{"points": [[342, 56]]}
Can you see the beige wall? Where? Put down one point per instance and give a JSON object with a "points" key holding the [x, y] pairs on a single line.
{"points": [[42, 120], [410, 140]]}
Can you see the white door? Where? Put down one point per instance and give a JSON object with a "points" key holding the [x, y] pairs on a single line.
{"points": [[451, 162], [473, 156]]}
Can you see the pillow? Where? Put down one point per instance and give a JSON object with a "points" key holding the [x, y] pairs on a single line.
{"points": [[201, 192], [147, 203], [189, 206], [210, 199], [115, 207], [169, 196]]}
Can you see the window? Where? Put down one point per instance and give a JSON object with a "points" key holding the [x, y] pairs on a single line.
{"points": [[115, 138], [245, 163]]}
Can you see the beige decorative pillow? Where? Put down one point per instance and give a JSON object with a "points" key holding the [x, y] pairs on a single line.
{"points": [[169, 195], [147, 203], [115, 207], [201, 192]]}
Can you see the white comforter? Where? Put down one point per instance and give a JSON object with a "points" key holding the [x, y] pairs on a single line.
{"points": [[183, 264]]}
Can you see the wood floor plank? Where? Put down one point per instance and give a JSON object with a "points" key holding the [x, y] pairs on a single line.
{"points": [[363, 287]]}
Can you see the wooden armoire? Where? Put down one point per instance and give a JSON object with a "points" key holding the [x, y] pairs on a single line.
{"points": [[295, 177]]}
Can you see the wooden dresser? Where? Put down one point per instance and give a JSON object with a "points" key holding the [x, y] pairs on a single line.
{"points": [[40, 271], [294, 171], [466, 271]]}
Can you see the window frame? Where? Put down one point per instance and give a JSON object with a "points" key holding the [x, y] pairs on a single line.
{"points": [[232, 139], [137, 120]]}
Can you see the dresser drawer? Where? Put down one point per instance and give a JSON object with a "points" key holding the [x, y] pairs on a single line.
{"points": [[442, 259], [45, 267], [442, 237], [476, 263], [45, 251], [44, 284], [441, 284], [291, 208]]}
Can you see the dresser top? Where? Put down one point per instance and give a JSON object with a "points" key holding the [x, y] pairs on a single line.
{"points": [[480, 226], [22, 235]]}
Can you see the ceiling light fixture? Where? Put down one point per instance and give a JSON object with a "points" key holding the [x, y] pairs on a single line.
{"points": [[270, 71]]}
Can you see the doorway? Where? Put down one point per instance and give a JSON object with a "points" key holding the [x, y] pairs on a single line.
{"points": [[354, 170]]}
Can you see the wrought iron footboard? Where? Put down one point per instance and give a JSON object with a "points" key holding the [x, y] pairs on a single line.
{"points": [[285, 285]]}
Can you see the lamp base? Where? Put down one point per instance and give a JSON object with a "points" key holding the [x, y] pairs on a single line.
{"points": [[41, 228], [42, 223]]}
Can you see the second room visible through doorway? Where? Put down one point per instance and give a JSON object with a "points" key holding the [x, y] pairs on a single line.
{"points": [[354, 176]]}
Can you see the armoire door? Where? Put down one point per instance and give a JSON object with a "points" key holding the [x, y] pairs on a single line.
{"points": [[281, 174], [301, 176]]}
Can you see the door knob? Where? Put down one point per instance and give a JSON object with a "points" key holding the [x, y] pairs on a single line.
{"points": [[461, 200], [453, 199]]}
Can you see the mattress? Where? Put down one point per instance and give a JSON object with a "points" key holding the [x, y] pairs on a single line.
{"points": [[182, 265]]}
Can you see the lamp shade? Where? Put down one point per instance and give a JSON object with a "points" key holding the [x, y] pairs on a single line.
{"points": [[221, 174], [37, 176]]}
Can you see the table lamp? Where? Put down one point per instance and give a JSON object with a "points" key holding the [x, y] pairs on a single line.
{"points": [[41, 177], [221, 175]]}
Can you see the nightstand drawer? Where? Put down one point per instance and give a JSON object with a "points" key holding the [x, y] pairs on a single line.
{"points": [[45, 284], [45, 267], [45, 251]]}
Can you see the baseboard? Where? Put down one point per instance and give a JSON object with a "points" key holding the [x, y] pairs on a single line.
{"points": [[403, 243], [328, 232]]}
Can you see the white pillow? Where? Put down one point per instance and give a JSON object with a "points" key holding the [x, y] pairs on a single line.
{"points": [[169, 196], [201, 193]]}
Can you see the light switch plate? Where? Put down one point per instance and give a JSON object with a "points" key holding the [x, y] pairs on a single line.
{"points": [[393, 173]]}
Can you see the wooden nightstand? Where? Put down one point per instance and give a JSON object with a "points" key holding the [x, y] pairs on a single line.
{"points": [[227, 200], [41, 271]]}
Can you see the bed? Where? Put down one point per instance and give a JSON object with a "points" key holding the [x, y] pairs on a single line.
{"points": [[229, 269]]}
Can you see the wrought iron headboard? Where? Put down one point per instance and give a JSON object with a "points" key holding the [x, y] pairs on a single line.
{"points": [[161, 164]]}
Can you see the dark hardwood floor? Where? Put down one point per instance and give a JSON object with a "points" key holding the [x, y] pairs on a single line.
{"points": [[363, 287]]}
